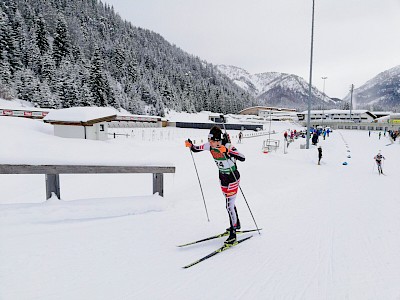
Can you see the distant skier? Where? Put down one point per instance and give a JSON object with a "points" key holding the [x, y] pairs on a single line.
{"points": [[378, 158], [285, 135], [380, 133], [319, 154], [369, 133], [225, 156], [240, 137], [314, 138]]}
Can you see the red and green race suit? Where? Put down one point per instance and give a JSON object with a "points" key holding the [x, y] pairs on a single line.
{"points": [[229, 175]]}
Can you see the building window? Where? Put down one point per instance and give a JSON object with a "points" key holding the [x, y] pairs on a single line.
{"points": [[101, 127]]}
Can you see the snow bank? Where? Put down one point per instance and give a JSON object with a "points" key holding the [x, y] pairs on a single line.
{"points": [[59, 211], [33, 142]]}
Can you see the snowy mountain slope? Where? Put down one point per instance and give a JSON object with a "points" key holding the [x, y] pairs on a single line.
{"points": [[329, 231], [379, 93], [139, 70], [277, 89], [255, 84]]}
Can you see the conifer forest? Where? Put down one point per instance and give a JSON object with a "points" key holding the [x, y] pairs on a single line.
{"points": [[64, 53]]}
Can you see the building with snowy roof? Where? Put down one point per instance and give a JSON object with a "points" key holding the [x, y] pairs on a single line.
{"points": [[136, 121], [338, 115], [267, 112], [358, 120], [81, 122]]}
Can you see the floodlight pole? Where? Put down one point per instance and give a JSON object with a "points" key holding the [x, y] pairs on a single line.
{"points": [[351, 100], [309, 84], [269, 132], [323, 104]]}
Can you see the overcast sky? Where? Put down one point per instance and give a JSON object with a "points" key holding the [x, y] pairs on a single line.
{"points": [[354, 40]]}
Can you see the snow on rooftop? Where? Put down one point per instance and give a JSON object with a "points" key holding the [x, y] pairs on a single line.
{"points": [[80, 114], [202, 117], [336, 111]]}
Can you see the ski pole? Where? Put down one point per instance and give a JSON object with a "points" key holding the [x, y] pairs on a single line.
{"points": [[248, 206], [201, 188]]}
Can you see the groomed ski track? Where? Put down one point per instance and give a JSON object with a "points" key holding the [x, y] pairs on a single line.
{"points": [[329, 232]]}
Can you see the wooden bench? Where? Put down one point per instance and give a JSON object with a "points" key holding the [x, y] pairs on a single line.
{"points": [[53, 172]]}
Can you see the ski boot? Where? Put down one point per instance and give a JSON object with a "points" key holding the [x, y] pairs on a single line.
{"points": [[236, 226], [232, 237]]}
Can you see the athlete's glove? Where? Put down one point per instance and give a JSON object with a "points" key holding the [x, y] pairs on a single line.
{"points": [[188, 143]]}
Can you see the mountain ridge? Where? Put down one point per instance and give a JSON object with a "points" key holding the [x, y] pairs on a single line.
{"points": [[381, 92], [278, 89]]}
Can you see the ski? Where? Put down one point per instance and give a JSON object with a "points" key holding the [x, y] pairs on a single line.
{"points": [[223, 248], [226, 233]]}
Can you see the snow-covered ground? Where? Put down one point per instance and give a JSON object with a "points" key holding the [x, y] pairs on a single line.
{"points": [[329, 231]]}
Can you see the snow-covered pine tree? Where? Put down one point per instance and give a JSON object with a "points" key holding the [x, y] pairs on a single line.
{"points": [[15, 42], [47, 69], [27, 85], [111, 89], [4, 35], [46, 97], [98, 81], [5, 73], [41, 35], [67, 88], [85, 94], [61, 43], [31, 54]]}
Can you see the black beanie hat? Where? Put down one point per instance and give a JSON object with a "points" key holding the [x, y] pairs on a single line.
{"points": [[215, 134]]}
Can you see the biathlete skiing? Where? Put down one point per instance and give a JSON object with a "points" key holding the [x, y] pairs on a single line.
{"points": [[378, 159], [225, 156]]}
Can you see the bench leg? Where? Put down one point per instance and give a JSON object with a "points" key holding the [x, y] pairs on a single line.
{"points": [[52, 185], [158, 184]]}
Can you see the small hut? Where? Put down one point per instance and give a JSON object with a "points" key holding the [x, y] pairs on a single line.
{"points": [[81, 122]]}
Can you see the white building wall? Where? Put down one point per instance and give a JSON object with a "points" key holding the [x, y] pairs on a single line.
{"points": [[67, 131], [133, 124], [338, 116], [91, 133], [101, 131], [98, 131]]}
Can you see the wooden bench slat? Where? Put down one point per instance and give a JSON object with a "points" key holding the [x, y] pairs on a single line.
{"points": [[52, 173], [79, 169]]}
